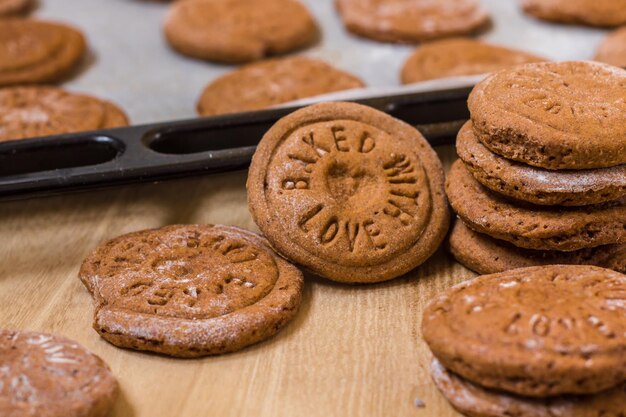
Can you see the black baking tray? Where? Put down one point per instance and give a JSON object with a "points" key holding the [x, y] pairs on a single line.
{"points": [[103, 158]]}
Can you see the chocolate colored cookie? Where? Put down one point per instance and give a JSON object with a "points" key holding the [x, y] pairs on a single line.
{"points": [[413, 20], [475, 401], [613, 49], [268, 83], [235, 31], [349, 192], [50, 376], [534, 227], [537, 332], [27, 112], [586, 12], [537, 185], [565, 115], [486, 255], [33, 51], [460, 56], [190, 290], [13, 7]]}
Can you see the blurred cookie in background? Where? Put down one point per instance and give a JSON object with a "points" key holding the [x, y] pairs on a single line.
{"points": [[604, 13], [15, 7], [613, 49]]}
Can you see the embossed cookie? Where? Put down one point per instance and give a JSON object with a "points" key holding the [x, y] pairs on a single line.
{"points": [[34, 51], [587, 12], [530, 226], [13, 7], [349, 192], [271, 82], [235, 31], [460, 56], [475, 401], [537, 332], [486, 255], [413, 20], [190, 290], [565, 115], [613, 49], [27, 112], [50, 376], [537, 185]]}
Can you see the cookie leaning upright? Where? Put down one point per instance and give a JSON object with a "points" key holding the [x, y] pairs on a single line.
{"points": [[235, 31], [190, 290], [349, 192], [34, 51], [565, 115]]}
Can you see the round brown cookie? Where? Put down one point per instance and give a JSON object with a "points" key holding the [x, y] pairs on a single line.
{"points": [[460, 56], [537, 185], [13, 7], [475, 401], [613, 49], [50, 376], [268, 83], [27, 112], [33, 51], [349, 192], [239, 30], [411, 20], [190, 290], [565, 115], [534, 227], [538, 332], [486, 255], [587, 12]]}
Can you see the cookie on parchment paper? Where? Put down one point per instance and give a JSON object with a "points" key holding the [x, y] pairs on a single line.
{"points": [[586, 12]]}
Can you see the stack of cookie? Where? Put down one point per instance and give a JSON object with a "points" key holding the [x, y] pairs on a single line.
{"points": [[542, 341], [542, 172]]}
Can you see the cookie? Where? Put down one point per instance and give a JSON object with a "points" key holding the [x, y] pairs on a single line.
{"points": [[235, 31], [27, 112], [411, 21], [34, 51], [586, 12], [190, 290], [612, 50], [565, 115], [538, 332], [537, 185], [534, 227], [271, 82], [460, 56], [13, 7], [348, 192], [51, 376], [486, 255], [475, 401]]}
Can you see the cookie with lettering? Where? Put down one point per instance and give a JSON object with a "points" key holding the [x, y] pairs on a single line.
{"points": [[27, 112], [486, 255], [35, 51], [50, 376], [411, 21], [14, 7], [458, 57], [554, 115], [272, 82], [475, 401], [350, 193], [612, 50], [537, 185], [236, 31], [190, 290], [530, 226], [538, 332], [587, 12]]}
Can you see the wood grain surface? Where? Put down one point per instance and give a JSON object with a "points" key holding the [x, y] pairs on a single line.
{"points": [[351, 351]]}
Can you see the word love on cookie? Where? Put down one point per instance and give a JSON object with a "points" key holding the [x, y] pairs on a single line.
{"points": [[345, 179]]}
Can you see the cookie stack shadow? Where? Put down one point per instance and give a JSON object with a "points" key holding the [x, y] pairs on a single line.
{"points": [[541, 177]]}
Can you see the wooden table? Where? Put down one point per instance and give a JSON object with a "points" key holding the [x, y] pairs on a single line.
{"points": [[351, 351]]}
